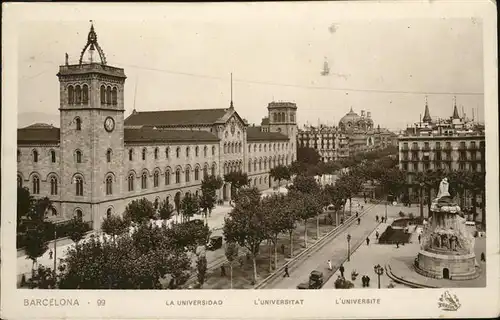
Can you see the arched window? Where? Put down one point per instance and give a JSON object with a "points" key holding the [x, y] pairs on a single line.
{"points": [[144, 180], [71, 95], [109, 185], [167, 152], [130, 154], [144, 154], [108, 155], [188, 174], [254, 148], [178, 176], [85, 94], [79, 186], [249, 148], [265, 164], [213, 169], [108, 95], [292, 118], [265, 179], [53, 185], [114, 96], [78, 123], [265, 147], [196, 151], [35, 156], [250, 166], [18, 155], [260, 164], [167, 177], [78, 95], [156, 178], [156, 153], [205, 149], [36, 185], [131, 182], [213, 150], [108, 212], [255, 165], [205, 171], [255, 181], [196, 174], [19, 181], [78, 154], [225, 148], [232, 147], [53, 156], [275, 117], [260, 148], [260, 180], [79, 214], [103, 95], [178, 152], [187, 152]]}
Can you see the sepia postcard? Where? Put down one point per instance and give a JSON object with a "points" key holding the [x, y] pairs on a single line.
{"points": [[277, 160]]}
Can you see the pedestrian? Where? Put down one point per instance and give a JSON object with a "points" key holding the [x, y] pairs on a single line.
{"points": [[367, 281], [376, 218], [367, 241], [357, 214], [330, 265], [342, 221], [364, 281], [286, 272], [397, 244], [376, 235], [483, 257], [362, 207], [419, 238], [341, 269], [50, 254], [359, 221], [222, 271]]}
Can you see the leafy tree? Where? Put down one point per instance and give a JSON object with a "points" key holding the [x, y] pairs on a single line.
{"points": [[290, 218], [114, 225], [190, 206], [308, 155], [187, 236], [304, 184], [351, 185], [36, 243], [201, 266], [280, 173], [165, 210], [139, 210], [297, 167], [244, 224], [337, 198], [306, 207], [177, 203], [77, 230], [393, 181], [231, 253], [237, 179], [209, 187], [24, 204], [274, 222]]}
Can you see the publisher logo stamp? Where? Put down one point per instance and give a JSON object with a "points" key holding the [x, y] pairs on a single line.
{"points": [[449, 302]]}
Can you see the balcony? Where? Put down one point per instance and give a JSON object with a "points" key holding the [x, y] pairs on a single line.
{"points": [[405, 160], [437, 148], [415, 148], [447, 148], [426, 148], [462, 147], [462, 159], [473, 147], [405, 148]]}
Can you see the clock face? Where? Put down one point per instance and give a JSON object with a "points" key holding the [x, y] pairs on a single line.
{"points": [[109, 124]]}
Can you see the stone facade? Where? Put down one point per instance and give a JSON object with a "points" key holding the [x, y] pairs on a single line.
{"points": [[97, 161]]}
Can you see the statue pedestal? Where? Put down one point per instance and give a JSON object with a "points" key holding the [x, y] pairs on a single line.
{"points": [[446, 266]]}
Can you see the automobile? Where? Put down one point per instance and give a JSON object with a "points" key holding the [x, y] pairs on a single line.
{"points": [[196, 222], [214, 243], [315, 281]]}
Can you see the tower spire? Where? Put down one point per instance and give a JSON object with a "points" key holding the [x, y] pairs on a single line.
{"points": [[455, 110], [92, 45], [231, 103], [427, 114]]}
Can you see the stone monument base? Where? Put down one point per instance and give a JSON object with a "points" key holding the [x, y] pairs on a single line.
{"points": [[446, 266]]}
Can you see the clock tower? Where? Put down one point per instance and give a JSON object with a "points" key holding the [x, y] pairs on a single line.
{"points": [[92, 133]]}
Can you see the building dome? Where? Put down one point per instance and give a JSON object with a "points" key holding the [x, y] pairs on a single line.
{"points": [[350, 120]]}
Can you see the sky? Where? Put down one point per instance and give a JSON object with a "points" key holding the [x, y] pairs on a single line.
{"points": [[185, 63]]}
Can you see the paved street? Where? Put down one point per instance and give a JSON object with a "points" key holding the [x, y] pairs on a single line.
{"points": [[335, 250]]}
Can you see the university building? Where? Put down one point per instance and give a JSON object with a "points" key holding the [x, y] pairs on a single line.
{"points": [[98, 161], [354, 133], [456, 143]]}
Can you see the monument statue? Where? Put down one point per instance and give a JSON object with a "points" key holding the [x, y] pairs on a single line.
{"points": [[443, 189]]}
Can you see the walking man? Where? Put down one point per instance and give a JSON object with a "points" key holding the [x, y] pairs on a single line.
{"points": [[50, 253], [397, 244], [483, 257], [363, 280], [367, 281], [376, 235], [286, 272], [419, 238], [330, 265], [367, 241], [341, 270], [376, 218], [359, 221]]}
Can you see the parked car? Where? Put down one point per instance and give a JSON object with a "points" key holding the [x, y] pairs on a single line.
{"points": [[315, 281], [214, 243]]}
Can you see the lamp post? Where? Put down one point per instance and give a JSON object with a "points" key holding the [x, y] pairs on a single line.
{"points": [[348, 247], [379, 270], [421, 200]]}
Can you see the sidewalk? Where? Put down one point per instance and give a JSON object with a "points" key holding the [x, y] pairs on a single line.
{"points": [[336, 251]]}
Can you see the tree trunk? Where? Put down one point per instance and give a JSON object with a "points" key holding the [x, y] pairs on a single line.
{"points": [[317, 227], [474, 213], [429, 200], [270, 256], [350, 206], [231, 272], [291, 244], [276, 253], [305, 232], [421, 204], [254, 260], [483, 209]]}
